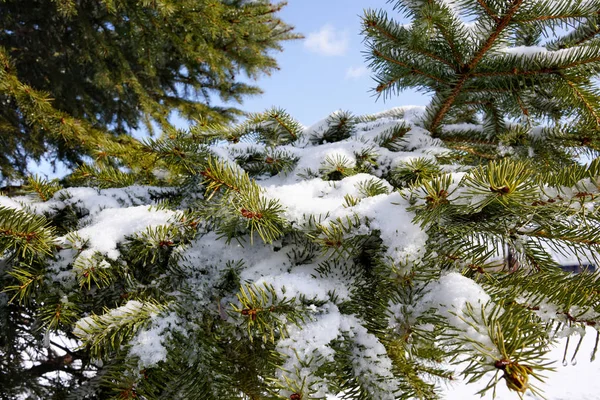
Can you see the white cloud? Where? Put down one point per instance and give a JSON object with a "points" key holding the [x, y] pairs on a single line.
{"points": [[356, 72], [327, 41]]}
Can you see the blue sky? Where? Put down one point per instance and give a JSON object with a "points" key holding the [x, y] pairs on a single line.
{"points": [[327, 70]]}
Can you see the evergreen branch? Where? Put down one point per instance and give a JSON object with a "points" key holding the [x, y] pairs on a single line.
{"points": [[102, 177], [414, 172], [550, 18], [584, 321], [522, 105], [473, 151], [488, 11], [460, 137], [93, 270], [468, 69], [392, 138], [336, 168], [382, 87], [585, 101], [104, 334], [578, 293], [447, 103], [38, 111], [340, 125], [516, 72], [516, 355], [453, 48], [218, 175], [373, 24], [506, 182], [372, 187], [412, 69], [275, 127], [66, 7], [500, 26], [243, 203], [29, 281], [179, 151], [580, 62], [573, 238], [59, 313], [581, 34], [256, 162], [285, 126], [28, 235], [259, 306], [487, 90], [43, 188], [264, 217]]}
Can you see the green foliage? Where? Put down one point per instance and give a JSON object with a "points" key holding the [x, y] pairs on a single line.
{"points": [[24, 235], [105, 333], [241, 206], [392, 138], [75, 72], [366, 160], [260, 307], [59, 313], [336, 168], [339, 127], [269, 162], [372, 187], [274, 127], [504, 182], [414, 172], [514, 353], [468, 73], [94, 270], [107, 177], [28, 282], [43, 188]]}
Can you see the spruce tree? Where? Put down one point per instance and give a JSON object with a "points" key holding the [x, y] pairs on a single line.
{"points": [[368, 257], [73, 73]]}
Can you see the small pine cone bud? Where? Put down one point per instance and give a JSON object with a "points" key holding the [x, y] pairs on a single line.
{"points": [[247, 213], [517, 382], [251, 312], [501, 364], [517, 377], [250, 215]]}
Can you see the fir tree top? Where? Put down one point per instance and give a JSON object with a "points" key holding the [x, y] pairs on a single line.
{"points": [[509, 63]]}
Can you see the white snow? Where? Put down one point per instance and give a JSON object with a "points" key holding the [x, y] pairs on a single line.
{"points": [[111, 226], [525, 50], [94, 200], [148, 345], [450, 295], [304, 344], [13, 202]]}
